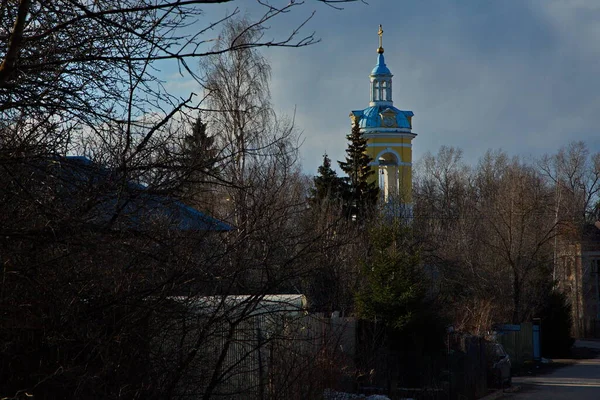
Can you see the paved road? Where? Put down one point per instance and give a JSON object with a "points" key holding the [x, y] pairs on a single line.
{"points": [[580, 379]]}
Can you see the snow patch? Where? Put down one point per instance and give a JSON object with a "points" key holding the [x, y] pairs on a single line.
{"points": [[333, 395]]}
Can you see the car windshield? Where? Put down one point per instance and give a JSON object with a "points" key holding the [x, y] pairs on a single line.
{"points": [[499, 350], [495, 351]]}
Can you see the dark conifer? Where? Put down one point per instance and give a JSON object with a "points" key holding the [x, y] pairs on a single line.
{"points": [[361, 190], [199, 161], [327, 185], [199, 151]]}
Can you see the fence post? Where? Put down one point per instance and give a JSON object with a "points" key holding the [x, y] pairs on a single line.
{"points": [[537, 327]]}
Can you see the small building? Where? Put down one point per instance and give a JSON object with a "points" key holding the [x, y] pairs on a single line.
{"points": [[576, 270], [114, 195]]}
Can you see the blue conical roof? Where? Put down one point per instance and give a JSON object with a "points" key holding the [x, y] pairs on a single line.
{"points": [[370, 117], [381, 68]]}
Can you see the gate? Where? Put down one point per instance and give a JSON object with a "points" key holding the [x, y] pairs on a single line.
{"points": [[536, 343], [521, 342]]}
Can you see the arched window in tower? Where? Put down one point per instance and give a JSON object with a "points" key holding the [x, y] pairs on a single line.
{"points": [[384, 91], [372, 90], [388, 94], [376, 92], [388, 176]]}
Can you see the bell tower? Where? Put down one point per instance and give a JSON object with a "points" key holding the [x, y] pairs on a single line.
{"points": [[389, 135]]}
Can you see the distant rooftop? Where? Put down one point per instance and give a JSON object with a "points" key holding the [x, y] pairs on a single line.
{"points": [[139, 204]]}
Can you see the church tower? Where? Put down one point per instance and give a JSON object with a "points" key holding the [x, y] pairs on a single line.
{"points": [[389, 135]]}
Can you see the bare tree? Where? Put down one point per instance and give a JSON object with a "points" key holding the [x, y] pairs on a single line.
{"points": [[575, 175], [95, 254], [443, 178], [518, 231], [256, 145], [90, 67], [489, 233]]}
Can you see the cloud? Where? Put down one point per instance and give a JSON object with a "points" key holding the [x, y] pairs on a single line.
{"points": [[517, 75], [513, 75]]}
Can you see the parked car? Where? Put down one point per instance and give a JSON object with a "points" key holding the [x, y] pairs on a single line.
{"points": [[498, 365]]}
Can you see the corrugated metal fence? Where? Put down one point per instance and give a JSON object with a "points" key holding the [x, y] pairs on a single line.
{"points": [[521, 342]]}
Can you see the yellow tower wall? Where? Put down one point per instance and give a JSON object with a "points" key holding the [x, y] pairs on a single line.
{"points": [[401, 146]]}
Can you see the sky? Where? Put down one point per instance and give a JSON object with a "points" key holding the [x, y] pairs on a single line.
{"points": [[517, 75]]}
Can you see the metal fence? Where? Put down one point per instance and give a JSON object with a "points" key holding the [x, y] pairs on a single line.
{"points": [[589, 328]]}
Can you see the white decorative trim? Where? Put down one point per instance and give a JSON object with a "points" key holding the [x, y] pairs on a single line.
{"points": [[388, 103], [400, 164], [392, 151], [388, 150], [387, 130], [388, 133], [409, 145], [387, 136]]}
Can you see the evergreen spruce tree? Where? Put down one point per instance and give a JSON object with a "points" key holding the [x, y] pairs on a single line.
{"points": [[393, 295], [394, 288], [557, 319], [199, 147], [360, 194], [199, 159], [327, 185]]}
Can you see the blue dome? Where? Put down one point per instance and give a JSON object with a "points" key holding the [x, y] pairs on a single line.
{"points": [[381, 68], [371, 118]]}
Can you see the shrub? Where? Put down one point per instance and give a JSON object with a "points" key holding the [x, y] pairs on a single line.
{"points": [[555, 314]]}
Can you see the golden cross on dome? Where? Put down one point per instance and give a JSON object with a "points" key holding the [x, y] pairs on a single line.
{"points": [[380, 33]]}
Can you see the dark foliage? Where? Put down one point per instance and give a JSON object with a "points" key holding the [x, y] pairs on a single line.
{"points": [[396, 295], [361, 190], [200, 157], [556, 325], [328, 187]]}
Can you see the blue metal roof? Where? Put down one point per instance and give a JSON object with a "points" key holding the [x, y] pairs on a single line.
{"points": [[381, 68], [141, 204], [370, 117]]}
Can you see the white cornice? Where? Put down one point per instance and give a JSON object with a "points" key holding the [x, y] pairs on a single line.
{"points": [[380, 129], [381, 103], [387, 134], [389, 145], [401, 163]]}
